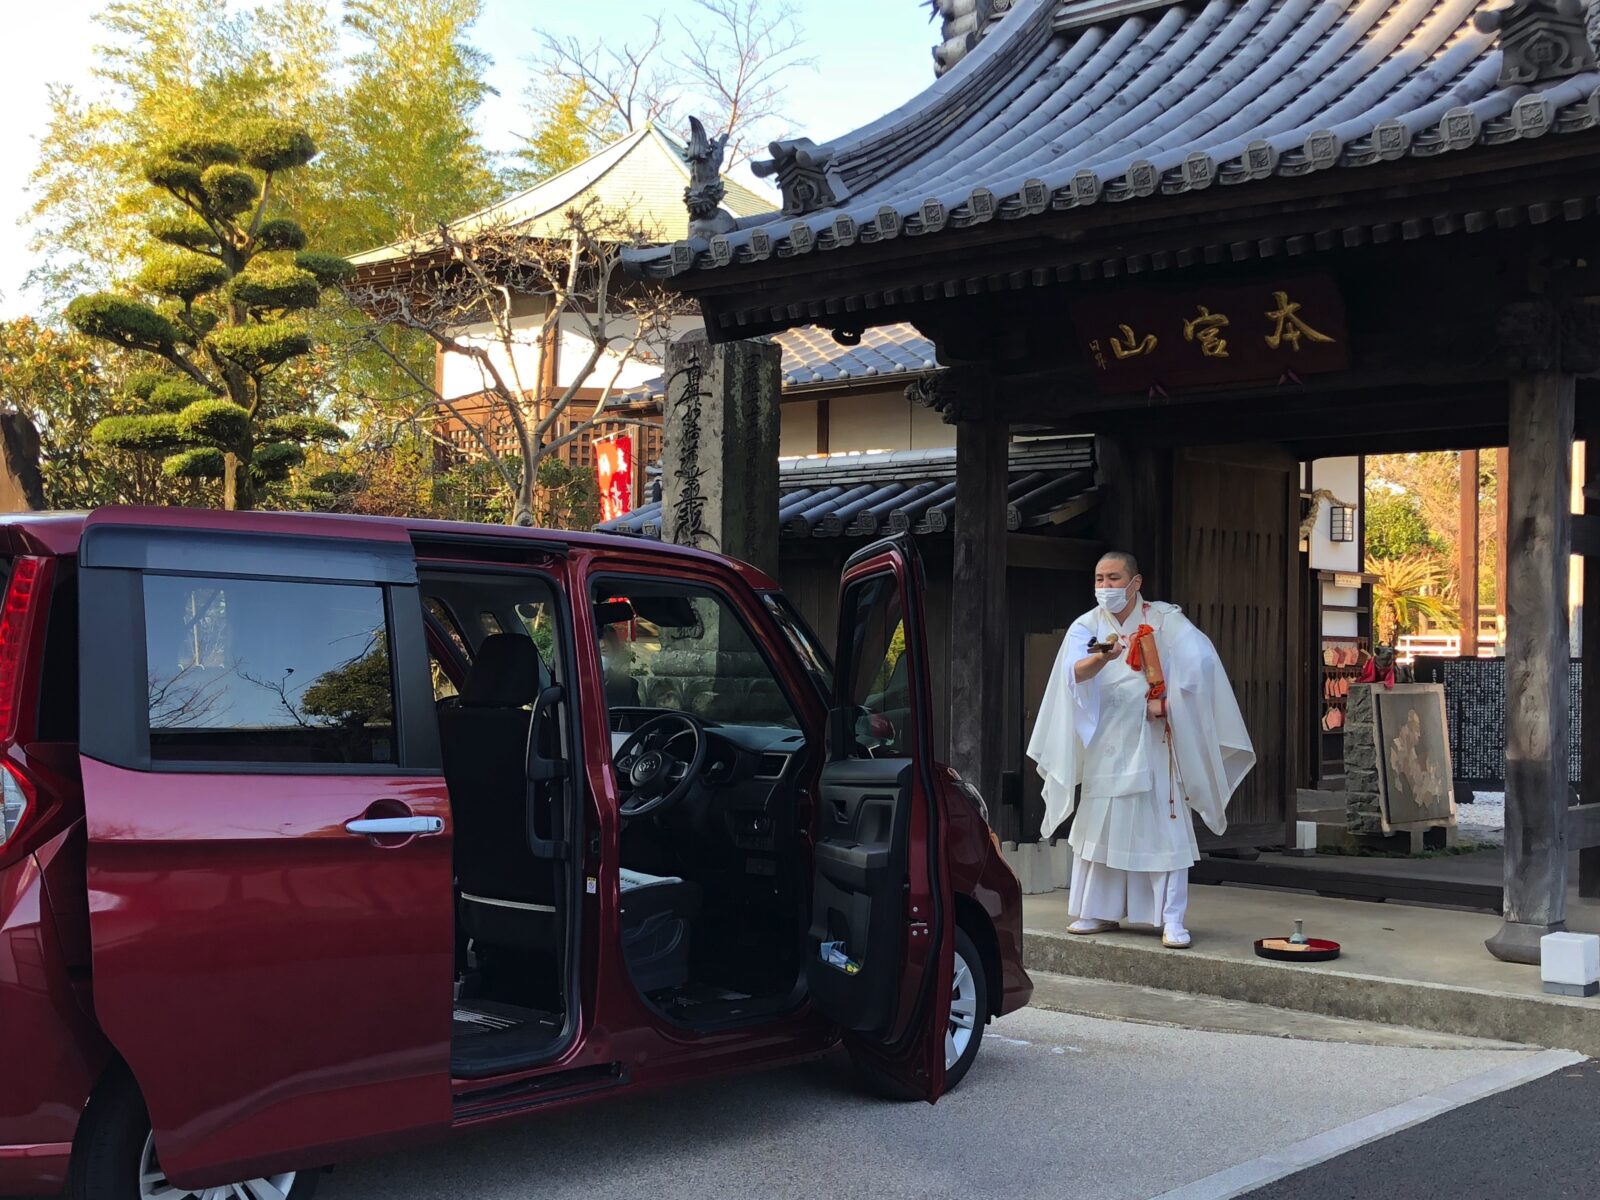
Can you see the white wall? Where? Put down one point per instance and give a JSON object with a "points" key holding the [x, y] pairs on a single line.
{"points": [[1342, 477]]}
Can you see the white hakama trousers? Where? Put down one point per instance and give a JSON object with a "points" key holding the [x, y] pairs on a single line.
{"points": [[1131, 859], [1102, 893]]}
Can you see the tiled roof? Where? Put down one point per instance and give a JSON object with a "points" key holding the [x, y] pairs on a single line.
{"points": [[1065, 103], [812, 358], [642, 174], [872, 494]]}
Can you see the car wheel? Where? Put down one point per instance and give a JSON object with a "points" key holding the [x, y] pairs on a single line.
{"points": [[115, 1158], [969, 1011]]}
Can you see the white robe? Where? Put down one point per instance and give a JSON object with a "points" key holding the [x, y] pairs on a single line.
{"points": [[1098, 753]]}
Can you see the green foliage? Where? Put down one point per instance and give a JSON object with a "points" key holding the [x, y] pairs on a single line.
{"points": [[330, 269], [271, 146], [201, 462], [1407, 591], [219, 423], [280, 234], [123, 322], [173, 394], [1396, 528], [567, 497], [66, 384], [150, 433], [182, 276], [230, 190], [302, 428], [256, 348], [141, 385], [355, 693], [186, 233], [565, 118], [273, 461], [175, 175], [201, 151], [275, 286]]}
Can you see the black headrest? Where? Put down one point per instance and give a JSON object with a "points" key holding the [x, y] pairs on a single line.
{"points": [[505, 673]]}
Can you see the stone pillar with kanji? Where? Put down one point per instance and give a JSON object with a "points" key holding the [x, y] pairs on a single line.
{"points": [[719, 475], [719, 458]]}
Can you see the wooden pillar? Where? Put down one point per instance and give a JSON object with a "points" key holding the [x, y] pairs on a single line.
{"points": [[1467, 554], [1589, 770], [1135, 485], [1501, 505], [978, 606], [1537, 648]]}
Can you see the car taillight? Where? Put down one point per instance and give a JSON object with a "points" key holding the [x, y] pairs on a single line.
{"points": [[17, 615], [16, 798]]}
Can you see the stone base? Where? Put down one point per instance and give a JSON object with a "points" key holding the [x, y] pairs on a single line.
{"points": [[1519, 943], [1573, 989]]}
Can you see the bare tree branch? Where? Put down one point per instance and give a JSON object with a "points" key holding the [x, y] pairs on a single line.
{"points": [[495, 298]]}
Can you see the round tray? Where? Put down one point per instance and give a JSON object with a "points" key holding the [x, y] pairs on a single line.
{"points": [[1281, 949]]}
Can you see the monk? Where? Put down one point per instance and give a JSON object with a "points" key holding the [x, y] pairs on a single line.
{"points": [[1139, 726]]}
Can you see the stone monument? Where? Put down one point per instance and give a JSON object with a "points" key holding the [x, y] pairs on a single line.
{"points": [[719, 457]]}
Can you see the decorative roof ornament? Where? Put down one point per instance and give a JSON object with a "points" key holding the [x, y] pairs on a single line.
{"points": [[964, 21], [703, 196], [1539, 40], [806, 176]]}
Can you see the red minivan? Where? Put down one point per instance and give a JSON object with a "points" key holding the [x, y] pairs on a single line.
{"points": [[320, 835]]}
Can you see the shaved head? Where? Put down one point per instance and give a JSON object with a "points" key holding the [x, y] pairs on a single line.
{"points": [[1128, 562]]}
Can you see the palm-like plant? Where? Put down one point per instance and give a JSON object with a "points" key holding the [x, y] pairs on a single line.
{"points": [[1408, 589]]}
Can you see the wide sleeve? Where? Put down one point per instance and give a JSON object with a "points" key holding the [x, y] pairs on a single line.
{"points": [[1209, 737], [1067, 719]]}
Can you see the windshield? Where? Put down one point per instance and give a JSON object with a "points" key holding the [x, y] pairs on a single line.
{"points": [[802, 640]]}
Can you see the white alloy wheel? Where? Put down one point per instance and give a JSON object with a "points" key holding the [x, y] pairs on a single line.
{"points": [[153, 1183], [963, 1013]]}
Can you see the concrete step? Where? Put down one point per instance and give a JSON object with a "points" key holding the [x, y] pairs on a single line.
{"points": [[1423, 968]]}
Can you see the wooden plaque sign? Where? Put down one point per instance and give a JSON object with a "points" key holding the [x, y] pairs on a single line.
{"points": [[1240, 333]]}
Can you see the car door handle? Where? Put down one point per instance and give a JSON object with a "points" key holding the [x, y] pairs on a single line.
{"points": [[404, 826]]}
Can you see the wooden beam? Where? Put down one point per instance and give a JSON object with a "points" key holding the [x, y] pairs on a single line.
{"points": [[978, 605], [1052, 553], [1541, 414], [1467, 554]]}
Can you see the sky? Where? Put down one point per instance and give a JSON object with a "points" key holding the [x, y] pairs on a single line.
{"points": [[870, 57]]}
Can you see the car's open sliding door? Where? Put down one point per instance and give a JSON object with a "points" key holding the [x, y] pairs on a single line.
{"points": [[882, 934]]}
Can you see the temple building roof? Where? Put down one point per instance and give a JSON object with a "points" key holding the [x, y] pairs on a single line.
{"points": [[1053, 105], [642, 174]]}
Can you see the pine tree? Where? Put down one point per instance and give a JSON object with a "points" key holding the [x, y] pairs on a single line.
{"points": [[223, 310]]}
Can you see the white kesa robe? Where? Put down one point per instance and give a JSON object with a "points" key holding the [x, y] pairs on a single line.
{"points": [[1099, 753]]}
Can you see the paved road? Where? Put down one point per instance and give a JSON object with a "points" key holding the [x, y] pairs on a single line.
{"points": [[1535, 1141], [1057, 1106]]}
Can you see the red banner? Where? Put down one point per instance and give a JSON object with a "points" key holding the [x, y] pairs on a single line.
{"points": [[613, 467]]}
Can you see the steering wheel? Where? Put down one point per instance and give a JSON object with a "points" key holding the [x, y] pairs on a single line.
{"points": [[651, 778]]}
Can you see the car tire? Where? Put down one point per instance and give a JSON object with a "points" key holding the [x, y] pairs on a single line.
{"points": [[113, 1151], [969, 1000]]}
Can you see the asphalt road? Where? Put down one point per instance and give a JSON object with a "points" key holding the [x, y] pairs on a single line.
{"points": [[1536, 1142], [1056, 1106]]}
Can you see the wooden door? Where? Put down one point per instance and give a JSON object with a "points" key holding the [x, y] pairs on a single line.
{"points": [[1234, 565]]}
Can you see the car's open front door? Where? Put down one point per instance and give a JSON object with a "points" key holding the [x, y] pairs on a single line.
{"points": [[882, 938], [269, 853]]}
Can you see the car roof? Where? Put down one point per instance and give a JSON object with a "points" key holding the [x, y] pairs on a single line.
{"points": [[59, 533]]}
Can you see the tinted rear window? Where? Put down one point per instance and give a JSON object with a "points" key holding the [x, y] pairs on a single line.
{"points": [[249, 670], [58, 681]]}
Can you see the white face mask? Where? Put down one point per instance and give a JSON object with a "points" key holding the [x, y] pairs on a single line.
{"points": [[1113, 600]]}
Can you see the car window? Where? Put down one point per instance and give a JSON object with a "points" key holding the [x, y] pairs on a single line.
{"points": [[249, 670], [800, 638], [684, 647], [877, 669]]}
